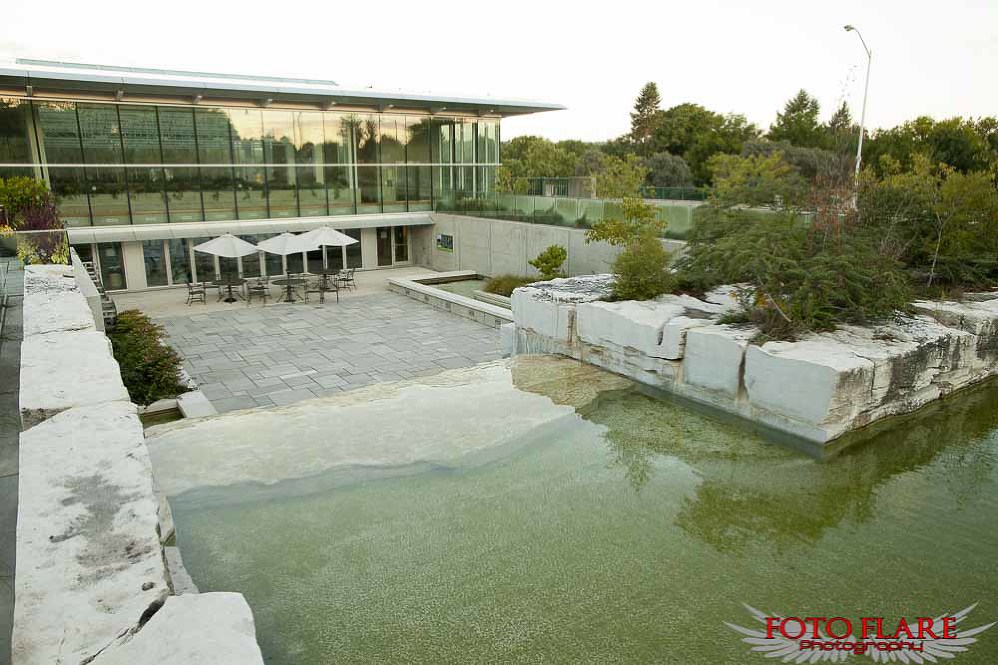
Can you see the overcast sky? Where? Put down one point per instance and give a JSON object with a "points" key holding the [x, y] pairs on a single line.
{"points": [[930, 58]]}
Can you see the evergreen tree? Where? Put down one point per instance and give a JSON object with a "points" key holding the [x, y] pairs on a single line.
{"points": [[645, 115], [798, 124]]}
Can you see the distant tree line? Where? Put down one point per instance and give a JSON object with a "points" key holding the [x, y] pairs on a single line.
{"points": [[676, 147]]}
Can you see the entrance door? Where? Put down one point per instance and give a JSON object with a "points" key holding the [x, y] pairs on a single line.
{"points": [[384, 245], [401, 244]]}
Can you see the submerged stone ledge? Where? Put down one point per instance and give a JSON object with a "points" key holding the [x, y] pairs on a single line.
{"points": [[91, 583], [817, 388]]}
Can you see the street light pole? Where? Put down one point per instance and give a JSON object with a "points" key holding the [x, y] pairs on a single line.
{"points": [[866, 89]]}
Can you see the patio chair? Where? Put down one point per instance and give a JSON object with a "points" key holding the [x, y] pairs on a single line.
{"points": [[195, 293], [259, 288], [345, 278], [316, 286]]}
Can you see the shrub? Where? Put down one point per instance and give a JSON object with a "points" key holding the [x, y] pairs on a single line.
{"points": [[548, 262], [503, 285], [149, 368], [642, 270], [20, 192]]}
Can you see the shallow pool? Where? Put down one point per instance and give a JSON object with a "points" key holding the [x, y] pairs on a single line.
{"points": [[463, 287], [612, 527]]}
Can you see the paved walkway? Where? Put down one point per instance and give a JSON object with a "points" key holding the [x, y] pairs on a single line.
{"points": [[10, 427], [260, 356]]}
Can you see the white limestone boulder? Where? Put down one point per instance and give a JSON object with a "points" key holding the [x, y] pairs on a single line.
{"points": [[49, 277], [215, 628], [89, 564], [47, 311], [818, 382], [63, 370], [507, 339], [979, 318], [713, 357], [548, 308], [626, 325]]}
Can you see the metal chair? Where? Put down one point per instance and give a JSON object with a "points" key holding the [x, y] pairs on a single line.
{"points": [[195, 293], [259, 288], [345, 278], [315, 286]]}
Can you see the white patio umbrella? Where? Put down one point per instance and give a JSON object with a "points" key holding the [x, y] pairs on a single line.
{"points": [[325, 236], [226, 245], [286, 243]]}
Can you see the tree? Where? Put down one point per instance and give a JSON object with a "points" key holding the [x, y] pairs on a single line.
{"points": [[548, 263], [507, 183], [638, 219], [536, 157], [842, 134], [645, 116], [696, 134], [620, 178], [811, 163], [798, 124], [757, 180], [665, 170]]}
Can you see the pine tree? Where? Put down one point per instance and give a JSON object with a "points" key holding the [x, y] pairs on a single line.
{"points": [[645, 115], [798, 124]]}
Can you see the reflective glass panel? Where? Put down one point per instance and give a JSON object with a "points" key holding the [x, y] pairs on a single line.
{"points": [[342, 197], [393, 188], [183, 194], [176, 127], [338, 138], [147, 195], [100, 133], [112, 268], [213, 141], [366, 138], [69, 186], [15, 131], [247, 135], [108, 199], [309, 138], [418, 187], [204, 264], [418, 134], [58, 133], [251, 262], [217, 193], [311, 190], [155, 262], [401, 244], [251, 197], [140, 135], [392, 139], [369, 189]]}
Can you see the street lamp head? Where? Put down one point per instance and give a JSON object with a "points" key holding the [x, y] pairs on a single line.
{"points": [[849, 28]]}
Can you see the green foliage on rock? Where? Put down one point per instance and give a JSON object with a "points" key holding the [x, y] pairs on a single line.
{"points": [[504, 285], [641, 271], [150, 370], [548, 263]]}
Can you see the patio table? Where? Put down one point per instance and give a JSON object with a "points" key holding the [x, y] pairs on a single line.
{"points": [[290, 283], [229, 282]]}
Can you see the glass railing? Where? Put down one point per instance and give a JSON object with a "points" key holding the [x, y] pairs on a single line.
{"points": [[560, 211]]}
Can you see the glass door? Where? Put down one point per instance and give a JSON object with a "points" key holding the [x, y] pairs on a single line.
{"points": [[384, 245], [400, 239]]}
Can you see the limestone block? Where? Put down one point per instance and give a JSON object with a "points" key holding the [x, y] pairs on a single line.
{"points": [[507, 339], [712, 359], [180, 579], [47, 311], [89, 564], [63, 370], [548, 308], [626, 325], [195, 405], [979, 318], [817, 381], [49, 277], [214, 628], [674, 335]]}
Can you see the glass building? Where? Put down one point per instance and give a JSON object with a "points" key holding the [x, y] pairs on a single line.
{"points": [[146, 163]]}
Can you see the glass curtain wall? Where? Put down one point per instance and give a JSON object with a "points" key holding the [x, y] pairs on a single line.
{"points": [[133, 163]]}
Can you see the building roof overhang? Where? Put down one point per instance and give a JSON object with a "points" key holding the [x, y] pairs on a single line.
{"points": [[41, 78]]}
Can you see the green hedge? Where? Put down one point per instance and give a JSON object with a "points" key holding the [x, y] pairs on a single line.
{"points": [[149, 368]]}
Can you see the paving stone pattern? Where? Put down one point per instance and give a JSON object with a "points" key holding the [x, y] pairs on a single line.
{"points": [[262, 356]]}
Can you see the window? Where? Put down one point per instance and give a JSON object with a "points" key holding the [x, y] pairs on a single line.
{"points": [[401, 244], [251, 262], [251, 193], [365, 131], [69, 186], [154, 257], [214, 144], [100, 133], [337, 138], [368, 189], [15, 131], [393, 188], [355, 255], [112, 269], [58, 133], [204, 264], [140, 136], [180, 263], [342, 196], [247, 135], [108, 198], [183, 193]]}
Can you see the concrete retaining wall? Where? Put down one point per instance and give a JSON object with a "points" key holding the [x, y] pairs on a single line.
{"points": [[817, 388], [498, 246], [421, 289], [92, 584]]}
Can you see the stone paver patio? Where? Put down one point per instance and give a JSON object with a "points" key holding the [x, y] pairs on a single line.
{"points": [[261, 356]]}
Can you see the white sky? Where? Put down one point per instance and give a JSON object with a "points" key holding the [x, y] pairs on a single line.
{"points": [[930, 58]]}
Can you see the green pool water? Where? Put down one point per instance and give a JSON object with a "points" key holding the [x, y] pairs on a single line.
{"points": [[464, 287], [628, 531]]}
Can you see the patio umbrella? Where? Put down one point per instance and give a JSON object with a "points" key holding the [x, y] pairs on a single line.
{"points": [[286, 243], [327, 237], [228, 246]]}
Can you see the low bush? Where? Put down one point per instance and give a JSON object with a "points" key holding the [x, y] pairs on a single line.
{"points": [[503, 285], [548, 263], [149, 368], [641, 271]]}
